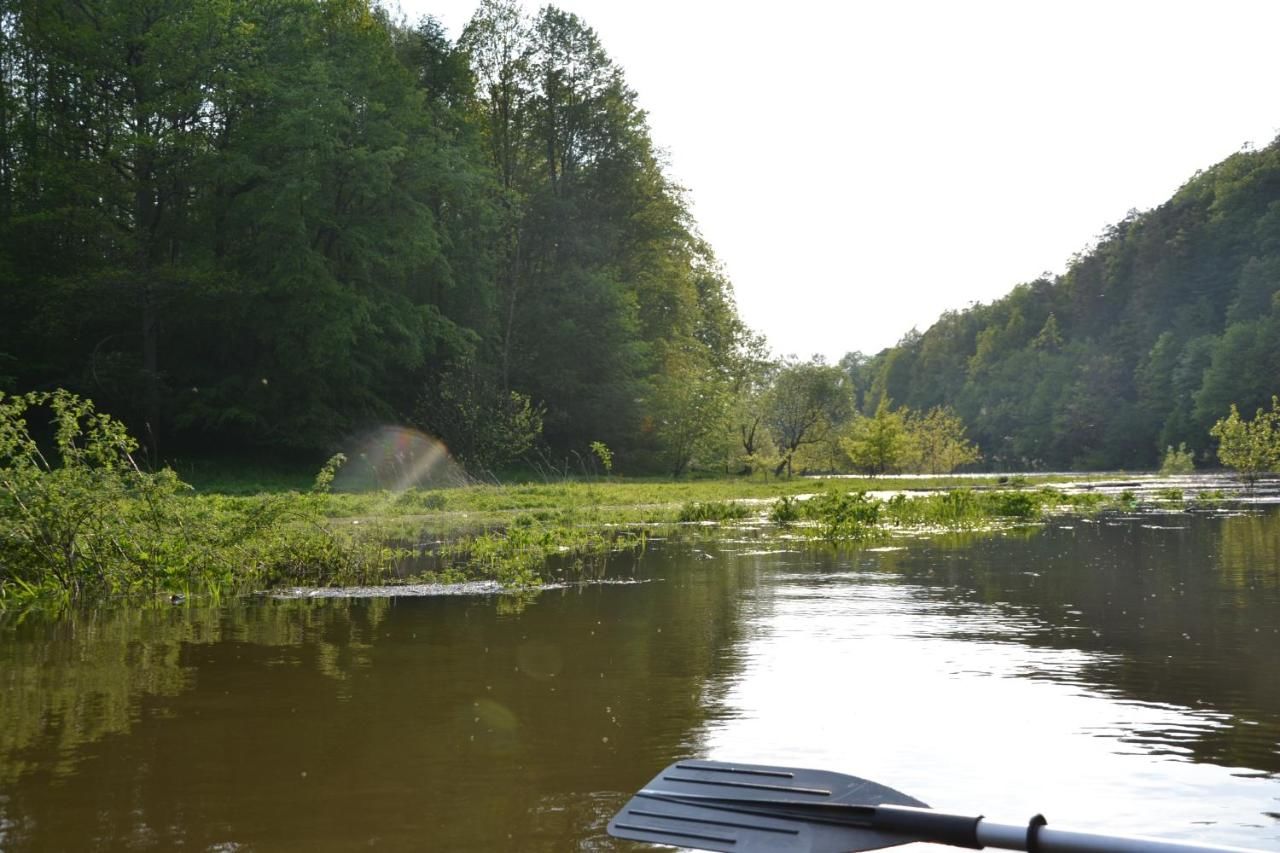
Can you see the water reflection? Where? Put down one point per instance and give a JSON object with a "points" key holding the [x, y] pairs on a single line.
{"points": [[1116, 673], [410, 724], [1118, 670]]}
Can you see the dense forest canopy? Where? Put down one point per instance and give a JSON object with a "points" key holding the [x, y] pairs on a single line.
{"points": [[275, 223], [1144, 343]]}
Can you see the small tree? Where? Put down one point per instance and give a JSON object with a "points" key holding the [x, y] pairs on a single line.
{"points": [[939, 441], [1250, 447], [1178, 461], [881, 443]]}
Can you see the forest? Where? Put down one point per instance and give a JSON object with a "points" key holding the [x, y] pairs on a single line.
{"points": [[1144, 343], [264, 228], [271, 224]]}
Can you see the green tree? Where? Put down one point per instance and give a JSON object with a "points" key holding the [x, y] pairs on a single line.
{"points": [[692, 405], [881, 443], [751, 376], [807, 401], [1250, 447], [938, 441]]}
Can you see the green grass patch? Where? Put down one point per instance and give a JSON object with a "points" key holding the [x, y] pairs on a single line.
{"points": [[713, 511], [85, 522]]}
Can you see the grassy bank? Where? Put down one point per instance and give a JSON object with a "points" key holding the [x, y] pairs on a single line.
{"points": [[94, 525], [151, 540]]}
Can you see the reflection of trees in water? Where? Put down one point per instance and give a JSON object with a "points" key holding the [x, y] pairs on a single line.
{"points": [[1250, 555], [451, 723], [76, 678], [1179, 609]]}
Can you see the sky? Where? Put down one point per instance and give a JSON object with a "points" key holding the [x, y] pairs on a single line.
{"points": [[861, 167]]}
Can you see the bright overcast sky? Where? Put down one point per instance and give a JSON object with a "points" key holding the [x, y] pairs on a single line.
{"points": [[861, 167]]}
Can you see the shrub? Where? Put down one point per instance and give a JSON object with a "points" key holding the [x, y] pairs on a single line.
{"points": [[86, 520], [843, 515], [785, 511], [1178, 461], [1014, 504], [713, 511]]}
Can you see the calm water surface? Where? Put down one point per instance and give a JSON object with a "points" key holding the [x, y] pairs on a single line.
{"points": [[1120, 674]]}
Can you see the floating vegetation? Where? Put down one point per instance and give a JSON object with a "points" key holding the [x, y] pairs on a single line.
{"points": [[713, 511], [858, 517]]}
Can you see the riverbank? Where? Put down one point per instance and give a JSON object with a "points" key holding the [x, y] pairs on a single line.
{"points": [[148, 537]]}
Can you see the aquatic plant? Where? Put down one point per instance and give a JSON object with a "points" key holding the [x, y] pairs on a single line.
{"points": [[841, 515], [1178, 460], [713, 511], [785, 510]]}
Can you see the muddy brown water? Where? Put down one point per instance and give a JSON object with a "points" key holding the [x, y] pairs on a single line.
{"points": [[1119, 674]]}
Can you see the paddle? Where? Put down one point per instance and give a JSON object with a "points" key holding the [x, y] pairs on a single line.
{"points": [[752, 808]]}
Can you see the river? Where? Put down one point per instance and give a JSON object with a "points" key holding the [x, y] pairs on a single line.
{"points": [[1120, 674]]}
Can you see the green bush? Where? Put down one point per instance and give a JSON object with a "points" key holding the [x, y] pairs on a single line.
{"points": [[1178, 461], [1014, 504], [785, 510], [84, 520], [843, 515], [713, 511]]}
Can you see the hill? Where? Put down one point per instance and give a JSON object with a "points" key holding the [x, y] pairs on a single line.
{"points": [[1142, 343]]}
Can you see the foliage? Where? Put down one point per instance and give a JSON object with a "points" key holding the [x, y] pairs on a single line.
{"points": [[484, 426], [713, 511], [785, 510], [691, 410], [842, 515], [806, 402], [87, 521], [839, 515], [601, 451], [1142, 344], [903, 440], [277, 224], [324, 479], [1178, 461], [879, 444], [90, 521], [1250, 447], [938, 442]]}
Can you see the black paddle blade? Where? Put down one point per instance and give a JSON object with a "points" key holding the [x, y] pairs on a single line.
{"points": [[752, 808]]}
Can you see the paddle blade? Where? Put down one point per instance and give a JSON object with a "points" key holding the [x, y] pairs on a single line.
{"points": [[711, 805]]}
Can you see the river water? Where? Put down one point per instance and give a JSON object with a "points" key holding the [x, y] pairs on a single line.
{"points": [[1119, 674]]}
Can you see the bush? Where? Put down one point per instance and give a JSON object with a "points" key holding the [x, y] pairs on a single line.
{"points": [[87, 521], [713, 511], [1179, 461], [1014, 504], [843, 515], [786, 510]]}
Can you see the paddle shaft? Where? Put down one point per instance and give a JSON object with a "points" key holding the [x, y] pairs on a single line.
{"points": [[1051, 840], [961, 831], [930, 825]]}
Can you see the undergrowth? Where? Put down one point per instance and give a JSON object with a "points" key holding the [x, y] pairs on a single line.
{"points": [[81, 520], [840, 516]]}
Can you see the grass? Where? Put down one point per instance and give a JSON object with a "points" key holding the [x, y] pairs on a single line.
{"points": [[840, 516], [268, 529]]}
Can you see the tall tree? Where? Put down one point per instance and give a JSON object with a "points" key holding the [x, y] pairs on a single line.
{"points": [[807, 401]]}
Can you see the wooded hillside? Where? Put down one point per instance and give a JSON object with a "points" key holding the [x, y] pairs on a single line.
{"points": [[1143, 343], [274, 223]]}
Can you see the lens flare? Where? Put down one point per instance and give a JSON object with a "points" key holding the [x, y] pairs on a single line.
{"points": [[398, 458]]}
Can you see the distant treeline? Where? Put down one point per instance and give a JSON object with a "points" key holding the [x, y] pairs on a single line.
{"points": [[1144, 343], [274, 223]]}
